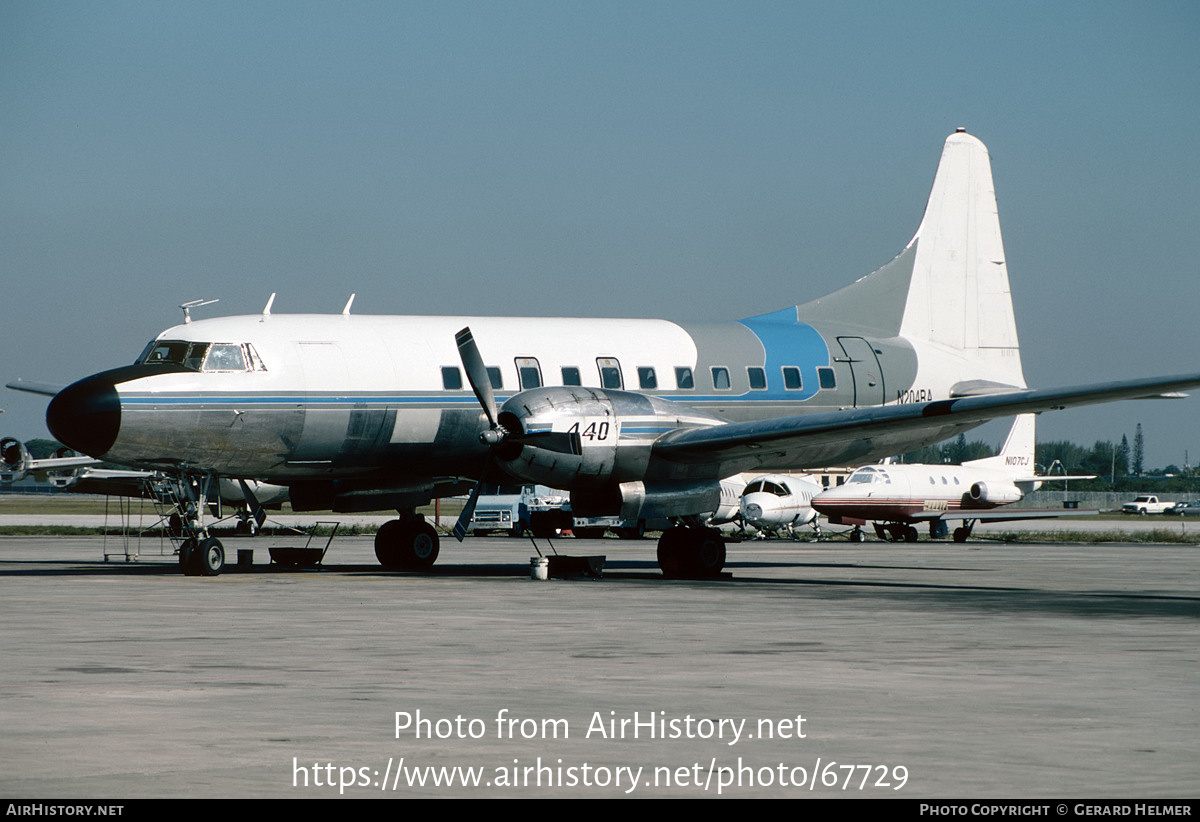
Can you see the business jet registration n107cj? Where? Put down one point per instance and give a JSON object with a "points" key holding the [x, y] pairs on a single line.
{"points": [[896, 497], [637, 418]]}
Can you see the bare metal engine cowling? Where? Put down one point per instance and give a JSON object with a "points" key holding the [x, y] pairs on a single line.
{"points": [[611, 435]]}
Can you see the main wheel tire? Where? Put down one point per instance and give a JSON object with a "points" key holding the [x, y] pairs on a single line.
{"points": [[387, 540], [708, 554], [187, 549], [401, 546], [672, 546], [420, 547]]}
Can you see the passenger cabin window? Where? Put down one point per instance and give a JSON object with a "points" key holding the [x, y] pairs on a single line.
{"points": [[647, 379], [529, 373], [720, 377], [791, 378], [494, 377], [570, 375], [826, 377], [758, 378], [610, 373], [684, 379], [451, 378]]}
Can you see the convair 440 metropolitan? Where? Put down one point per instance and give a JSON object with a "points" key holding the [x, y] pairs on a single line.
{"points": [[636, 418]]}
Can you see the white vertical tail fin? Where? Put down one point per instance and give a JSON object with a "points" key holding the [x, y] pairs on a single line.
{"points": [[947, 292], [1016, 457]]}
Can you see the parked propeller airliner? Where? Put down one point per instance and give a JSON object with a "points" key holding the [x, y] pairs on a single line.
{"points": [[896, 497], [636, 418]]}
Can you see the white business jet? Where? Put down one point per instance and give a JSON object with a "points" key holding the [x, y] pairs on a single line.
{"points": [[898, 497], [635, 418]]}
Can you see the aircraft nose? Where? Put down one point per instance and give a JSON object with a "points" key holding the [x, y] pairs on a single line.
{"points": [[86, 415]]}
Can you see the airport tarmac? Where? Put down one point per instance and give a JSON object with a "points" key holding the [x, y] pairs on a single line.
{"points": [[816, 669]]}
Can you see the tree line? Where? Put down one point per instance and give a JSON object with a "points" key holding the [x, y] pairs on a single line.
{"points": [[1118, 466]]}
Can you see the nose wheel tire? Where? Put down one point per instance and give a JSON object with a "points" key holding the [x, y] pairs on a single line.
{"points": [[205, 558]]}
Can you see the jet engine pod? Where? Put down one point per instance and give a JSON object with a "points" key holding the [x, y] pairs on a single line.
{"points": [[994, 493], [15, 458]]}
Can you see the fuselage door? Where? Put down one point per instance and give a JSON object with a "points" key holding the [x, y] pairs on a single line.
{"points": [[866, 370], [325, 417]]}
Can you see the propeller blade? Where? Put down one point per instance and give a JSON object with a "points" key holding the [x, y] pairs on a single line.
{"points": [[468, 511], [477, 374]]}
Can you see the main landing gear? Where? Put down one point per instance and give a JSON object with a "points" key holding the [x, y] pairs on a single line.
{"points": [[896, 532], [406, 544], [694, 552]]}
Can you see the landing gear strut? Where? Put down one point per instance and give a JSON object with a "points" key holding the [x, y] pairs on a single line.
{"points": [[406, 544]]}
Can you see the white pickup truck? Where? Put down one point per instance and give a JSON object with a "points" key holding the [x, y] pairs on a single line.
{"points": [[1146, 504]]}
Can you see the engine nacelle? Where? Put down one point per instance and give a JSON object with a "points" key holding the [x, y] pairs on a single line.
{"points": [[611, 434], [994, 493], [648, 500], [15, 460]]}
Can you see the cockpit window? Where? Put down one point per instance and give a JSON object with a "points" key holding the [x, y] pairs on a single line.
{"points": [[202, 355], [161, 353], [868, 475], [225, 357]]}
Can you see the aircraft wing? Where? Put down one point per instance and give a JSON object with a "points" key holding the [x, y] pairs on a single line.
{"points": [[110, 482], [1013, 515], [44, 388], [865, 434]]}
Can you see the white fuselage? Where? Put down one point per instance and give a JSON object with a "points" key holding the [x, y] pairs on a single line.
{"points": [[776, 501], [911, 493]]}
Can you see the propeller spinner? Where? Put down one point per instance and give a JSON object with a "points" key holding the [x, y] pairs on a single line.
{"points": [[498, 435]]}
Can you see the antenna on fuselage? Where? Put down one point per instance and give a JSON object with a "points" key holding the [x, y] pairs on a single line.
{"points": [[267, 307], [349, 302], [188, 306]]}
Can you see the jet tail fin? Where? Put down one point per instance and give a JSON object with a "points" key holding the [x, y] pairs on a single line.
{"points": [[1016, 456]]}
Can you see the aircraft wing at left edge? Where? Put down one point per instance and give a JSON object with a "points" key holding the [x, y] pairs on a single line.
{"points": [[857, 434], [44, 388]]}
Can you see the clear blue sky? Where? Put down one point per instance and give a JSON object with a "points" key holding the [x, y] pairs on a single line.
{"points": [[675, 159]]}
